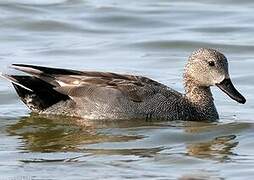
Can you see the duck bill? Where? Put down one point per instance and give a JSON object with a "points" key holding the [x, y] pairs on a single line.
{"points": [[227, 87]]}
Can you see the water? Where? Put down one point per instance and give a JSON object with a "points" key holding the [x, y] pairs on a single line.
{"points": [[152, 38]]}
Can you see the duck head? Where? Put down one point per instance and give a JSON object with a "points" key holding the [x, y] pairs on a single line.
{"points": [[208, 67]]}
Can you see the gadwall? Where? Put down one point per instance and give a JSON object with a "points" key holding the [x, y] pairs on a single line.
{"points": [[103, 95]]}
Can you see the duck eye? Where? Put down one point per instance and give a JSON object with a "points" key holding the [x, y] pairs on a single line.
{"points": [[211, 63]]}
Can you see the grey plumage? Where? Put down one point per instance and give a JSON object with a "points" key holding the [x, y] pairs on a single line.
{"points": [[100, 95]]}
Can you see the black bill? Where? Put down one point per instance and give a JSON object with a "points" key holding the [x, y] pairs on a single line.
{"points": [[227, 87]]}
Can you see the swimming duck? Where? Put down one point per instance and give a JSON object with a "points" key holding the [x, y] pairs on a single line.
{"points": [[104, 95]]}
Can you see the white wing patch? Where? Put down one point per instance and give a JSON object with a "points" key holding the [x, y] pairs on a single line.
{"points": [[73, 83]]}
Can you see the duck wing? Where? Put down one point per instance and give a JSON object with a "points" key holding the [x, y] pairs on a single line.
{"points": [[97, 85]]}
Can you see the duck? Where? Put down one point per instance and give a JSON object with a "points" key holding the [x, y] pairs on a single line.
{"points": [[105, 95]]}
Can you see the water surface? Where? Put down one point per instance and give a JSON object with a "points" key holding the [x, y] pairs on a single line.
{"points": [[152, 38]]}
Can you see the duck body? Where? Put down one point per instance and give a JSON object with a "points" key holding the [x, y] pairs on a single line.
{"points": [[100, 95], [133, 97]]}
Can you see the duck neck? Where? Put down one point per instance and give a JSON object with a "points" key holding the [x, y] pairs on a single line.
{"points": [[200, 98], [197, 94]]}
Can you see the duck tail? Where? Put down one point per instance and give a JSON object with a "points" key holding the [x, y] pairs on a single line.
{"points": [[35, 93]]}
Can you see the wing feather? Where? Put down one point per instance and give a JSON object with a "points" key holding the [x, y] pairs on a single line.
{"points": [[80, 84]]}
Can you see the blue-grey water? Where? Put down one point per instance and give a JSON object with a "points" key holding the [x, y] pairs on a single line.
{"points": [[151, 38]]}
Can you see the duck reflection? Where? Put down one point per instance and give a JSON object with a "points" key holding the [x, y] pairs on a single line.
{"points": [[62, 134], [41, 134], [207, 140], [220, 148], [216, 141]]}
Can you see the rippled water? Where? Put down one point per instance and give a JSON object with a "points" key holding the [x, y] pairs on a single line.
{"points": [[152, 38]]}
